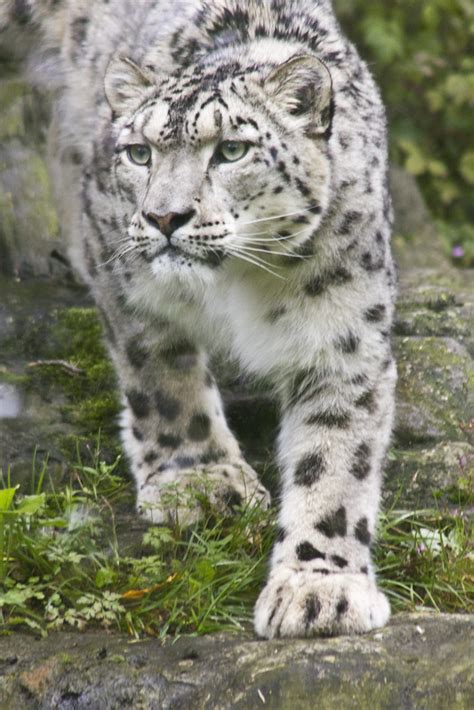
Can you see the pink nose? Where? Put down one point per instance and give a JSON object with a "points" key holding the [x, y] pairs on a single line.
{"points": [[168, 223]]}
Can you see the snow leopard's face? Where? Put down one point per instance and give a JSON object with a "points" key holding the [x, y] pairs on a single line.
{"points": [[213, 170]]}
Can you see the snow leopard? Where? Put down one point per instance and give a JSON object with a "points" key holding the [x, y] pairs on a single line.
{"points": [[220, 167]]}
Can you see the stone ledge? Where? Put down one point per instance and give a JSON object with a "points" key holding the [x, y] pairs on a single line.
{"points": [[420, 660]]}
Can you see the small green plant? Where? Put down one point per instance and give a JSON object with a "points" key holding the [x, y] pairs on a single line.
{"points": [[63, 564]]}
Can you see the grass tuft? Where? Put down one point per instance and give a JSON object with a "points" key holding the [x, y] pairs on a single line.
{"points": [[63, 562], [426, 558]]}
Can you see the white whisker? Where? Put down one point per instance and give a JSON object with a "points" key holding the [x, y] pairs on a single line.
{"points": [[118, 255], [122, 240], [252, 260], [280, 216], [256, 234], [268, 251], [272, 238], [263, 239]]}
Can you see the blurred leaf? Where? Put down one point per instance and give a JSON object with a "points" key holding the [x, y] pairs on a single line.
{"points": [[448, 191], [205, 572], [460, 88], [158, 536], [18, 595], [29, 505], [467, 166], [104, 577], [415, 164], [435, 99], [384, 38], [6, 498], [436, 167]]}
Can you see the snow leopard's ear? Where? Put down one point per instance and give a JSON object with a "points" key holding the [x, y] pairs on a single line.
{"points": [[126, 84], [303, 86]]}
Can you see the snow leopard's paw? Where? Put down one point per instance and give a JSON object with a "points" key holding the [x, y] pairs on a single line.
{"points": [[307, 603], [184, 496]]}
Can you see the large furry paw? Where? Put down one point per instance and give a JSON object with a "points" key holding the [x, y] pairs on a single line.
{"points": [[306, 603], [182, 496]]}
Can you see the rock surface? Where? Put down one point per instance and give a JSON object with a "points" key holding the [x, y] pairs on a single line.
{"points": [[421, 661], [416, 238], [29, 230], [433, 451]]}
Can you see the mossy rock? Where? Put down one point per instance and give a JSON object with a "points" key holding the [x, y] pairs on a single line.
{"points": [[419, 660], [443, 316], [435, 390], [430, 477], [24, 113], [437, 303], [12, 92], [29, 227]]}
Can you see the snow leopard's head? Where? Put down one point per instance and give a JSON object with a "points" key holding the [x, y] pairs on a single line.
{"points": [[223, 166]]}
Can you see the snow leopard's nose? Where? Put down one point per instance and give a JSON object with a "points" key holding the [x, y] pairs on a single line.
{"points": [[168, 223]]}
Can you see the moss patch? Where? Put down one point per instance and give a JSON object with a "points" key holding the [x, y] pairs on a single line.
{"points": [[12, 92], [436, 381], [440, 320], [438, 476], [38, 195], [91, 402]]}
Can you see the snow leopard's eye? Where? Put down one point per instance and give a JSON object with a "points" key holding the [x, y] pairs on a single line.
{"points": [[230, 151], [139, 154]]}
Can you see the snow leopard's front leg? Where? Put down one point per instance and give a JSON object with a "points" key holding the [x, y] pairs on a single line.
{"points": [[180, 448], [333, 438]]}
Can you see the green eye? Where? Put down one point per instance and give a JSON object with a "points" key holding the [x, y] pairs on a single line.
{"points": [[139, 154], [230, 151]]}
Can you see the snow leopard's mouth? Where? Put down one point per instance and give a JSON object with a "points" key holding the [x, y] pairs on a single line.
{"points": [[171, 251], [177, 255]]}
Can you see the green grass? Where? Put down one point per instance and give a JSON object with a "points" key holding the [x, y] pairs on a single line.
{"points": [[63, 564], [426, 558]]}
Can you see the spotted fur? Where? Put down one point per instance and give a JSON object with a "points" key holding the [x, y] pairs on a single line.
{"points": [[281, 257]]}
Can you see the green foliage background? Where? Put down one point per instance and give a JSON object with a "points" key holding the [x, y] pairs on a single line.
{"points": [[422, 54]]}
